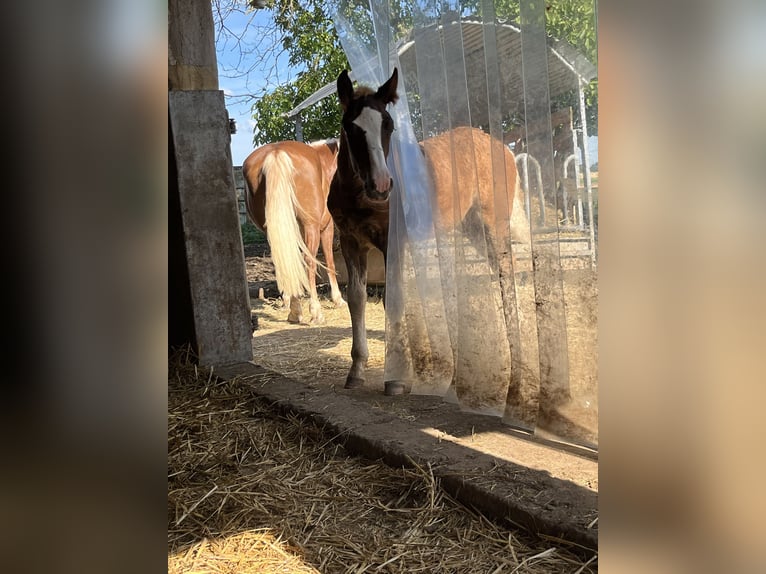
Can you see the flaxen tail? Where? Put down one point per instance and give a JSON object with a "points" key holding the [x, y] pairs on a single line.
{"points": [[288, 249]]}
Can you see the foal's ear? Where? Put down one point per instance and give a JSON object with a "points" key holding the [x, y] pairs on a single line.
{"points": [[345, 89], [387, 92]]}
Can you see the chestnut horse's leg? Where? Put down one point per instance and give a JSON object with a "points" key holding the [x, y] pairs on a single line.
{"points": [[356, 262], [296, 310], [479, 233], [311, 238], [326, 236]]}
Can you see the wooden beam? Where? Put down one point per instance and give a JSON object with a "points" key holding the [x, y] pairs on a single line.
{"points": [[192, 63]]}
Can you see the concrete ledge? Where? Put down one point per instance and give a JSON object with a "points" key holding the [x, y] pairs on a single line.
{"points": [[540, 503]]}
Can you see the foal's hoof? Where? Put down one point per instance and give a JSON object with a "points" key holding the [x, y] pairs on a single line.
{"points": [[395, 388], [353, 382]]}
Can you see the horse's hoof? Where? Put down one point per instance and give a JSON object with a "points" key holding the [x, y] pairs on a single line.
{"points": [[295, 320], [393, 388], [340, 304], [353, 382]]}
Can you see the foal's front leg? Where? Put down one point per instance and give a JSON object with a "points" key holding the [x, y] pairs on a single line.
{"points": [[356, 263]]}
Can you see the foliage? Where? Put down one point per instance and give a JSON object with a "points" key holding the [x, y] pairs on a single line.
{"points": [[308, 36], [251, 234], [310, 40], [573, 21]]}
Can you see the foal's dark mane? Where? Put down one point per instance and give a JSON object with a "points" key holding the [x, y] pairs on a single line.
{"points": [[362, 91]]}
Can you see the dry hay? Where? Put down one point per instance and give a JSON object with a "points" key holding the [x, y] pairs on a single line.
{"points": [[250, 551], [250, 490]]}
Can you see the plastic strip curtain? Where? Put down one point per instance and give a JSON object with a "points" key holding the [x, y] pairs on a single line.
{"points": [[560, 415], [483, 365], [414, 256], [517, 305], [418, 348], [461, 319]]}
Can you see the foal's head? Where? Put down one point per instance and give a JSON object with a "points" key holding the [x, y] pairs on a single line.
{"points": [[367, 128]]}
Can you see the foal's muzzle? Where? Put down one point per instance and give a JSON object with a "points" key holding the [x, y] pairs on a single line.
{"points": [[372, 193]]}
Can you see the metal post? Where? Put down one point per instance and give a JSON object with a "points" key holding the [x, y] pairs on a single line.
{"points": [[525, 163], [298, 128], [580, 219], [586, 167]]}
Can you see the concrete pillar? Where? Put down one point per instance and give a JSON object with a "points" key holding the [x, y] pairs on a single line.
{"points": [[210, 224]]}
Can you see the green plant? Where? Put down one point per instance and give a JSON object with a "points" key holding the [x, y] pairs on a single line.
{"points": [[251, 234], [306, 36]]}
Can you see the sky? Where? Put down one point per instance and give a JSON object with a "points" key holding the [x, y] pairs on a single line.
{"points": [[228, 54], [235, 86], [242, 141]]}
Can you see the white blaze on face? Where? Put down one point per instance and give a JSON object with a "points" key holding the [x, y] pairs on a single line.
{"points": [[370, 121]]}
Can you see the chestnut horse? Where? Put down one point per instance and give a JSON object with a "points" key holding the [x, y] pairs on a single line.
{"points": [[286, 187], [359, 191]]}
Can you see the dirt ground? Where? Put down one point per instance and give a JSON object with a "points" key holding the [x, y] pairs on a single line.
{"points": [[320, 356]]}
